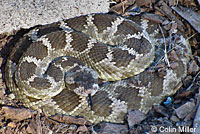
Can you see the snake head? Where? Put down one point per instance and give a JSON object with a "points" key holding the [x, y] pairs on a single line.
{"points": [[82, 80]]}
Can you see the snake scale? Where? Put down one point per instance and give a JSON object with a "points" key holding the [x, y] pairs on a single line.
{"points": [[100, 58]]}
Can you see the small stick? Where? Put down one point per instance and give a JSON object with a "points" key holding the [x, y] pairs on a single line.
{"points": [[166, 57]]}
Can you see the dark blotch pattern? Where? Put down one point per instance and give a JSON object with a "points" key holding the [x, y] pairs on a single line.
{"points": [[27, 70], [126, 28], [20, 47], [70, 61], [80, 41], [57, 39], [37, 49], [129, 94], [66, 63], [141, 46], [67, 100], [153, 78], [102, 21], [55, 72], [122, 57], [77, 23], [98, 52], [101, 104], [45, 29], [40, 83]]}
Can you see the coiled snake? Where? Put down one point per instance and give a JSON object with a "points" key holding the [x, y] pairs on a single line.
{"points": [[56, 67]]}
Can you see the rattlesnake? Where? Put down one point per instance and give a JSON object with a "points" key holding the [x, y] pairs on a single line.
{"points": [[55, 67]]}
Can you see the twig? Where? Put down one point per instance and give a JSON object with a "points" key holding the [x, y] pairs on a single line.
{"points": [[166, 57], [191, 36], [189, 87], [163, 57]]}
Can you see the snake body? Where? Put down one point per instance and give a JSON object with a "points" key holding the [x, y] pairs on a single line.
{"points": [[55, 67]]}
